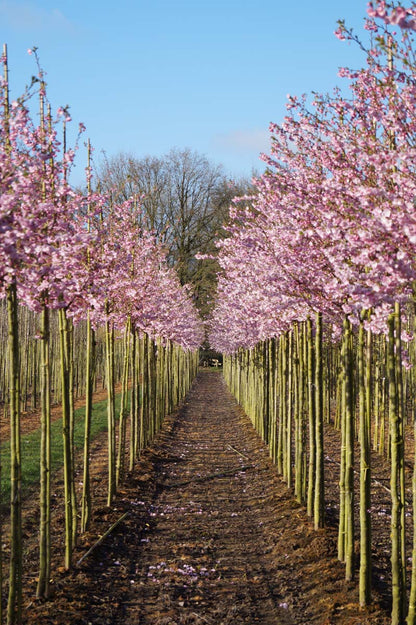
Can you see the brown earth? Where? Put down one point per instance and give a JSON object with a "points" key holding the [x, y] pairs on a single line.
{"points": [[212, 535]]}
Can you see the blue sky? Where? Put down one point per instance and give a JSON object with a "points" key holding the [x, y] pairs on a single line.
{"points": [[145, 76]]}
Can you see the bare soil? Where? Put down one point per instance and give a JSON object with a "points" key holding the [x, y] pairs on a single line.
{"points": [[212, 535]]}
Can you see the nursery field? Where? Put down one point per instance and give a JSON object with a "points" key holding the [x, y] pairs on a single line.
{"points": [[212, 535], [282, 491]]}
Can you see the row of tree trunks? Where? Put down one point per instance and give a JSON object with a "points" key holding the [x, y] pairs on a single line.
{"points": [[30, 355], [290, 385], [156, 375]]}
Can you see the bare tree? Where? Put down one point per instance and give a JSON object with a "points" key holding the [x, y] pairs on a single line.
{"points": [[185, 200]]}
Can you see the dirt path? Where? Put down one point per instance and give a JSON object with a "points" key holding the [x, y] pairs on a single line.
{"points": [[212, 536]]}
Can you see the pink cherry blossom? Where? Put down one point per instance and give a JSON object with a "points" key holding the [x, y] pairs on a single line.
{"points": [[332, 228]]}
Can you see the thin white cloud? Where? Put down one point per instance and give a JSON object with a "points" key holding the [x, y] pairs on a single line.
{"points": [[26, 16], [250, 139]]}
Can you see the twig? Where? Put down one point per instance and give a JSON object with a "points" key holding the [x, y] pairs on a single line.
{"points": [[100, 540], [203, 618], [237, 452], [211, 476]]}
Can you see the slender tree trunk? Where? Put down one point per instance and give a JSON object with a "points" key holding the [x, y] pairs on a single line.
{"points": [[89, 384], [376, 399], [273, 400], [143, 385], [411, 616], [71, 394], [45, 464], [289, 408], [266, 388], [312, 420], [14, 607], [349, 457], [319, 502], [149, 388], [284, 400], [342, 527], [121, 456], [364, 364], [303, 401], [383, 415], [134, 415], [401, 415], [66, 433], [109, 341], [396, 445], [152, 386], [298, 412], [281, 405]]}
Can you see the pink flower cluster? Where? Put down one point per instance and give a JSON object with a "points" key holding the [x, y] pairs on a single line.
{"points": [[64, 249], [332, 227], [129, 277], [397, 15]]}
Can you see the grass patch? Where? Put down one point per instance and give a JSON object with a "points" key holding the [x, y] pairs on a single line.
{"points": [[31, 446]]}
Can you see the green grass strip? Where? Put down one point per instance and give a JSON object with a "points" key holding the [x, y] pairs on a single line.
{"points": [[31, 446]]}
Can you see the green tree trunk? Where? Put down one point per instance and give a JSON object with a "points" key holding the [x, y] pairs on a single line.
{"points": [[402, 417], [120, 468], [142, 378], [396, 445], [45, 464], [150, 390], [319, 501], [273, 399], [349, 457], [300, 477], [109, 342], [364, 377], [66, 433], [266, 393], [342, 527], [89, 387], [411, 615], [71, 394], [134, 404], [284, 405], [289, 408], [304, 408], [312, 419], [14, 607]]}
